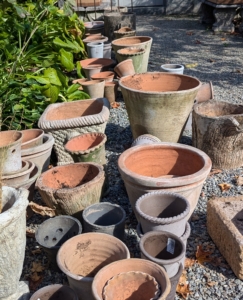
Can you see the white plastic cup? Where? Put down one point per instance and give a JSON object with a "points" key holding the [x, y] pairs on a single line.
{"points": [[172, 68]]}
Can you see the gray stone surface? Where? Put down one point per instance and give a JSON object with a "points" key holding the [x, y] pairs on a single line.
{"points": [[22, 293], [224, 19]]}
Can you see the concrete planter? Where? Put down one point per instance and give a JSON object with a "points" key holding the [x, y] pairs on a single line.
{"points": [[124, 32]]}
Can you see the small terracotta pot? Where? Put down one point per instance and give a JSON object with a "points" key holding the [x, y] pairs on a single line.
{"points": [[125, 68], [55, 292], [106, 218], [80, 80], [110, 92], [32, 138], [133, 53], [92, 66], [205, 92], [107, 76], [124, 32], [132, 285], [89, 71], [163, 211], [146, 139], [163, 248], [129, 265], [81, 257], [94, 88]]}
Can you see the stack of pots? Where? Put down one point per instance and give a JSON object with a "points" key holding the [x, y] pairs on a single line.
{"points": [[97, 46]]}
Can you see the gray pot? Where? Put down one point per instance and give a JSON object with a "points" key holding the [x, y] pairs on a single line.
{"points": [[172, 68], [173, 282], [55, 292], [105, 218]]}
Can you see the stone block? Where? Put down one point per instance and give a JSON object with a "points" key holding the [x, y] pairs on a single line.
{"points": [[225, 226]]}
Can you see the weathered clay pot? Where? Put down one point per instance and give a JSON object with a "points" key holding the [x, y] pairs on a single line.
{"points": [[172, 68], [10, 151], [131, 285], [124, 32], [105, 63], [25, 166], [146, 139], [81, 257], [55, 292], [88, 147], [174, 282], [159, 97], [129, 265], [71, 188], [95, 49], [148, 168], [125, 68], [133, 53], [107, 76], [110, 92], [32, 138], [106, 218], [80, 80], [163, 211], [54, 232], [12, 239], [163, 248], [205, 92], [94, 88], [89, 71]]}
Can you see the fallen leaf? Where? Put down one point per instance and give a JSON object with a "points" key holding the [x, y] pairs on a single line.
{"points": [[190, 66], [211, 283], [203, 256], [195, 217], [33, 284], [238, 71], [211, 60], [215, 171], [36, 251], [50, 166], [30, 233], [198, 42], [189, 33], [37, 267], [183, 286], [42, 210], [223, 39], [115, 104], [189, 262], [224, 187], [239, 180]]}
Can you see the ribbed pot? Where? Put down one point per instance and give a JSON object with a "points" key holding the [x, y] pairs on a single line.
{"points": [[159, 103], [70, 188], [124, 32], [95, 49], [172, 68], [125, 68], [55, 292], [106, 218], [133, 53], [81, 257], [163, 248], [149, 168], [146, 139], [129, 265], [94, 88], [32, 138], [107, 76], [110, 92], [141, 42]]}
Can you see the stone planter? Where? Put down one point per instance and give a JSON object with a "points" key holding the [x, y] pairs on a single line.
{"points": [[163, 248], [133, 53], [31, 138], [12, 240], [125, 68], [108, 76], [141, 42], [146, 139], [110, 92], [124, 32], [163, 211], [106, 218], [81, 257], [94, 88], [130, 265], [54, 232], [71, 188], [159, 96], [66, 120], [95, 49], [149, 168], [55, 292]]}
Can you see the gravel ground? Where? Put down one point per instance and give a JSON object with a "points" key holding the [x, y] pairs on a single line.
{"points": [[218, 58]]}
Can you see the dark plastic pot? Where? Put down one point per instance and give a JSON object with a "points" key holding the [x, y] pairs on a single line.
{"points": [[105, 218], [52, 233], [55, 292]]}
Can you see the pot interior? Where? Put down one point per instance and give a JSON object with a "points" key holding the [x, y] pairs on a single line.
{"points": [[131, 50], [131, 40], [9, 137], [54, 293], [84, 142], [31, 134]]}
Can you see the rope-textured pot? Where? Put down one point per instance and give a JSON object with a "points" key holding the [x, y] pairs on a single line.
{"points": [[69, 119]]}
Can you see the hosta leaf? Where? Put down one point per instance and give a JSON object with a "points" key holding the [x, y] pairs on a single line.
{"points": [[57, 41], [52, 93], [73, 88], [53, 77], [66, 59], [42, 80], [78, 95], [63, 78]]}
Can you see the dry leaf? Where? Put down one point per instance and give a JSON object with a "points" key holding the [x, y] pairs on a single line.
{"points": [[224, 187], [190, 66], [183, 286], [215, 171], [211, 283], [198, 42], [33, 284], [30, 233], [189, 262], [37, 267], [42, 210], [50, 166], [223, 39], [238, 71], [211, 60], [115, 104], [203, 256], [195, 217], [36, 251], [189, 33], [239, 180]]}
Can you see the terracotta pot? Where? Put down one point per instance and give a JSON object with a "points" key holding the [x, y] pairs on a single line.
{"points": [[95, 39], [163, 248], [80, 80], [124, 32], [172, 68], [129, 265], [125, 68], [133, 53], [174, 282], [94, 88], [163, 211], [25, 166], [131, 285], [106, 218], [205, 92], [146, 139], [110, 92], [107, 76], [95, 49], [32, 138], [159, 96], [71, 188], [148, 168], [55, 292], [54, 232], [141, 42], [92, 66], [81, 257], [89, 71], [10, 151]]}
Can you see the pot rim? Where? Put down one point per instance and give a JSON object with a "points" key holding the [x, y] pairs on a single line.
{"points": [[145, 137], [169, 67], [41, 134], [118, 42], [164, 182], [13, 143], [20, 173], [46, 289], [157, 260], [48, 141], [161, 74], [162, 221], [31, 179]]}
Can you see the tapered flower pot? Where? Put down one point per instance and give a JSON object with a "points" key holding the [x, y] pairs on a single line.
{"points": [[125, 68], [148, 168], [32, 138], [174, 282], [94, 88], [95, 49], [107, 76], [110, 92], [205, 93], [146, 139], [172, 68], [55, 292], [129, 265], [124, 32], [12, 239], [71, 188], [133, 53], [106, 218], [81, 257], [163, 248], [159, 103], [96, 65]]}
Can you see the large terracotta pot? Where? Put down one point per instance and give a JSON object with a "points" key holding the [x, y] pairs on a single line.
{"points": [[159, 103], [172, 167]]}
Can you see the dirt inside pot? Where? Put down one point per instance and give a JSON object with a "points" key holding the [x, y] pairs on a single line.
{"points": [[131, 40], [124, 29], [84, 142], [131, 50]]}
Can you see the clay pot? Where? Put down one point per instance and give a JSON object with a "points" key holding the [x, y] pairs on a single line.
{"points": [[89, 71], [172, 68], [10, 151], [163, 248], [81, 257], [25, 166], [163, 211], [88, 147], [80, 80], [110, 92], [174, 282], [54, 232], [205, 92], [130, 265], [106, 218], [32, 138], [95, 49], [133, 53], [102, 64], [94, 88], [159, 96], [95, 39], [70, 188], [146, 139], [131, 285], [125, 68], [149, 168], [55, 292], [124, 32], [106, 76]]}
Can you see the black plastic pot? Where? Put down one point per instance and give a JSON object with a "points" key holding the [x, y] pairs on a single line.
{"points": [[55, 292], [52, 233]]}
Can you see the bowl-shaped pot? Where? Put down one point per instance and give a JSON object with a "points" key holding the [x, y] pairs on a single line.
{"points": [[32, 138]]}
